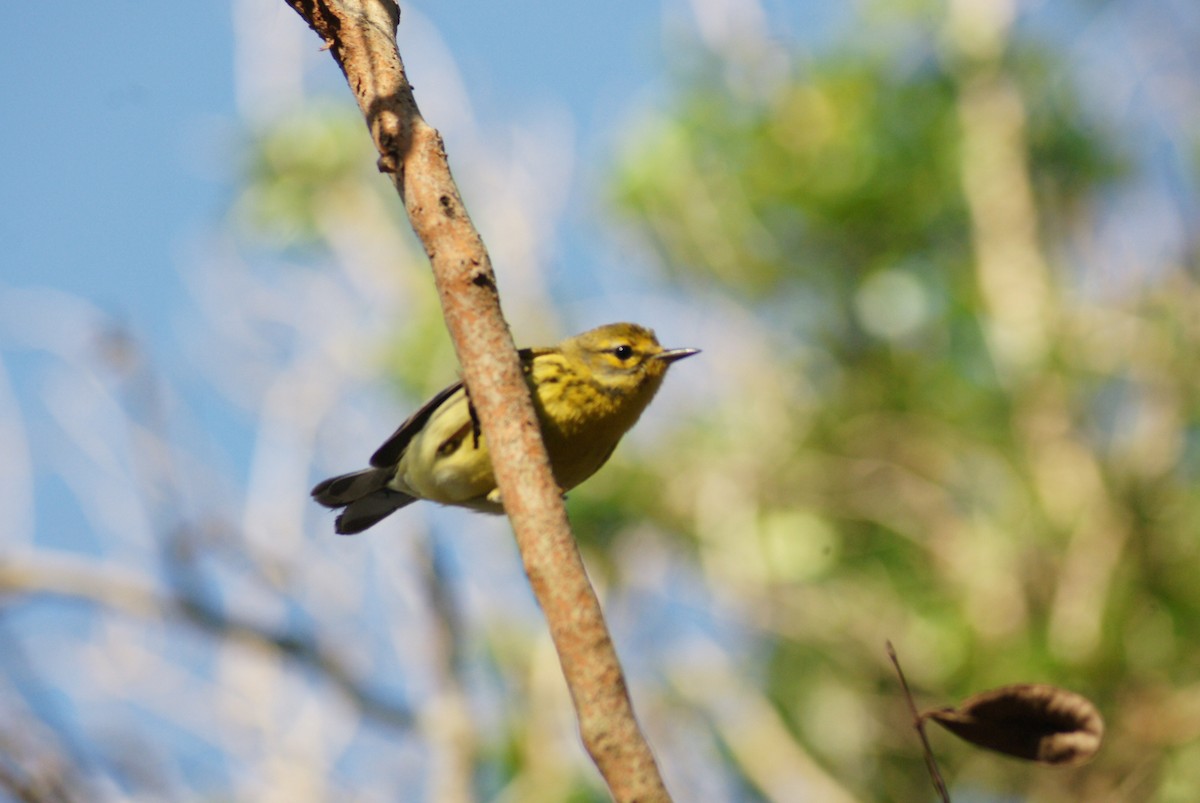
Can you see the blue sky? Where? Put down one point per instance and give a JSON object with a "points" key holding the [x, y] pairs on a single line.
{"points": [[116, 113], [97, 190]]}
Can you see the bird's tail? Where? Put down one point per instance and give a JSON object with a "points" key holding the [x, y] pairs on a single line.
{"points": [[365, 495]]}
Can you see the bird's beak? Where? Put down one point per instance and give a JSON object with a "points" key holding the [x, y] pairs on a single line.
{"points": [[671, 355]]}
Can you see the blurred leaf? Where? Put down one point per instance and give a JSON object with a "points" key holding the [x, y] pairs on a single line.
{"points": [[299, 168], [1033, 721]]}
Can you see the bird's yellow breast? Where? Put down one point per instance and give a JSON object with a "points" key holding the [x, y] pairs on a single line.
{"points": [[581, 420]]}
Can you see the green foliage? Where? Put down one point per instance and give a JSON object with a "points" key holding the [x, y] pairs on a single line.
{"points": [[822, 182], [1005, 524]]}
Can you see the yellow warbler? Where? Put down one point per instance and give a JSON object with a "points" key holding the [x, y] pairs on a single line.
{"points": [[588, 391]]}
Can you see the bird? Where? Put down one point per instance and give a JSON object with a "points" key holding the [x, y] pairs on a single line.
{"points": [[587, 391]]}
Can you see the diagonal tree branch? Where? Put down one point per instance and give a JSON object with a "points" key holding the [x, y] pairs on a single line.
{"points": [[361, 36]]}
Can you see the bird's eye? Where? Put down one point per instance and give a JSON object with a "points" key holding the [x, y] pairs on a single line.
{"points": [[623, 352]]}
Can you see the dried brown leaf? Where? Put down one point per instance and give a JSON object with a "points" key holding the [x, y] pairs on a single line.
{"points": [[1033, 721]]}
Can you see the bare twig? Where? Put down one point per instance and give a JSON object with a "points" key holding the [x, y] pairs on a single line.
{"points": [[360, 35], [919, 726]]}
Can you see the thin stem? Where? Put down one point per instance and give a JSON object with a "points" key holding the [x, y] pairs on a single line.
{"points": [[919, 724]]}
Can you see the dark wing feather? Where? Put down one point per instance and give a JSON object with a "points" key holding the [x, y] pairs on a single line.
{"points": [[527, 355], [389, 453]]}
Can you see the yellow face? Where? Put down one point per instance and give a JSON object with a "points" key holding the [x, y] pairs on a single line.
{"points": [[622, 357], [591, 389]]}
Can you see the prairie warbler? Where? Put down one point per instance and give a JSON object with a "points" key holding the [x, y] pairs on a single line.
{"points": [[588, 391]]}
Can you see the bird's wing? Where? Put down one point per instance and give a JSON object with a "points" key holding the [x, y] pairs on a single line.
{"points": [[393, 448], [390, 452]]}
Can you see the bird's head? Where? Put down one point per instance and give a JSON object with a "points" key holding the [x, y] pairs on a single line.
{"points": [[623, 358]]}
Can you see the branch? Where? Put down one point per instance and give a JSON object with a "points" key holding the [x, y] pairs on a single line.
{"points": [[361, 35]]}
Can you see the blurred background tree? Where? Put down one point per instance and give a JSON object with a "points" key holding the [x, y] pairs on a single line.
{"points": [[943, 269], [958, 436]]}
